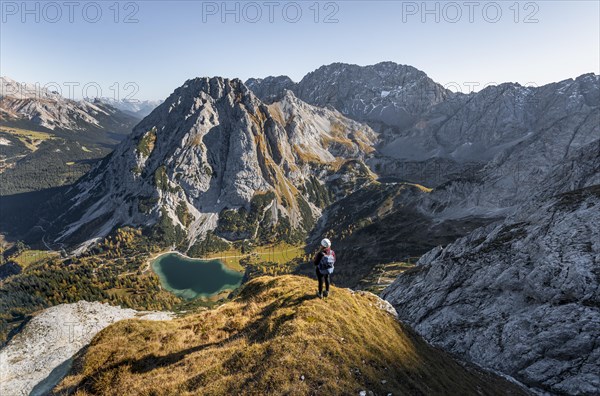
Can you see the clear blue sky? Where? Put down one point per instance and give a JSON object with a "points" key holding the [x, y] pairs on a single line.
{"points": [[176, 40]]}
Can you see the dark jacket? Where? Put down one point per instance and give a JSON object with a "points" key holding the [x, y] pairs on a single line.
{"points": [[322, 252]]}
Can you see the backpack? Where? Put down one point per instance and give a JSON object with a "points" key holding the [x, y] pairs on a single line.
{"points": [[326, 264]]}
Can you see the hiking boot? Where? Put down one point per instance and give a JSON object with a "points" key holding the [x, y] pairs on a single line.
{"points": [[326, 293], [319, 294]]}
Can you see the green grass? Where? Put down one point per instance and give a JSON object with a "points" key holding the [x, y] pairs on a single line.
{"points": [[161, 179], [146, 144], [29, 138], [280, 253], [117, 292], [29, 257]]}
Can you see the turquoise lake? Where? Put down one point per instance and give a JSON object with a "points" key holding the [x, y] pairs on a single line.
{"points": [[190, 278]]}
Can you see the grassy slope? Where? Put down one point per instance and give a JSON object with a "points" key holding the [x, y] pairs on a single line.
{"points": [[263, 342], [29, 257], [280, 253]]}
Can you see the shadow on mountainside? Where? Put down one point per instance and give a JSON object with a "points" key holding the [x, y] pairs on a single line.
{"points": [[274, 338]]}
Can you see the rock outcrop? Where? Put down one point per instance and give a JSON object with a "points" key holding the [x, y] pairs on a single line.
{"points": [[213, 149], [521, 296], [39, 356]]}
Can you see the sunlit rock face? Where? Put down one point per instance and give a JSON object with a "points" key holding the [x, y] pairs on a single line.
{"points": [[521, 296], [214, 146]]}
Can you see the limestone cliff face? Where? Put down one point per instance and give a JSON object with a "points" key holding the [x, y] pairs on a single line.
{"points": [[214, 146], [502, 118], [40, 355], [521, 296], [386, 95], [521, 136]]}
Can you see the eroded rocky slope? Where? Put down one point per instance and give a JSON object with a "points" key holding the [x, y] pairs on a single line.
{"points": [[521, 296], [213, 157], [31, 106]]}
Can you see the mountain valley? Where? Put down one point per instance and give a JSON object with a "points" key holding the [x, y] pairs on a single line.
{"points": [[483, 206]]}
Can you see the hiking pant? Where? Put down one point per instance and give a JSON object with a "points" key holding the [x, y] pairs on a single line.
{"points": [[322, 277]]}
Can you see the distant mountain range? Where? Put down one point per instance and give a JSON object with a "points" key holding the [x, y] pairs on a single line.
{"points": [[213, 149], [430, 135], [136, 108], [386, 95], [389, 164], [27, 106], [48, 141]]}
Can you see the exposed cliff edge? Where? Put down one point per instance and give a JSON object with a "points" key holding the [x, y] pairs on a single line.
{"points": [[41, 354], [521, 296]]}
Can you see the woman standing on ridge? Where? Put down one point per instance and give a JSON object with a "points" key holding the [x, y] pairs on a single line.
{"points": [[324, 262]]}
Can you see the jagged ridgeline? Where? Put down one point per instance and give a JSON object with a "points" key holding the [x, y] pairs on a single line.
{"points": [[214, 163]]}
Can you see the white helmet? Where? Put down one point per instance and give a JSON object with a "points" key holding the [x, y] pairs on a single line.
{"points": [[326, 243]]}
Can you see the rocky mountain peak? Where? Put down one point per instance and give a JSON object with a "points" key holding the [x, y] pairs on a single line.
{"points": [[270, 89], [212, 149], [386, 94], [385, 71], [215, 87]]}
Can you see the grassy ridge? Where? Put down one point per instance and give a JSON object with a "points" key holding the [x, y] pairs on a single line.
{"points": [[275, 338]]}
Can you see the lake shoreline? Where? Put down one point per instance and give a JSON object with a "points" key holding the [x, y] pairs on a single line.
{"points": [[191, 278], [154, 256]]}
